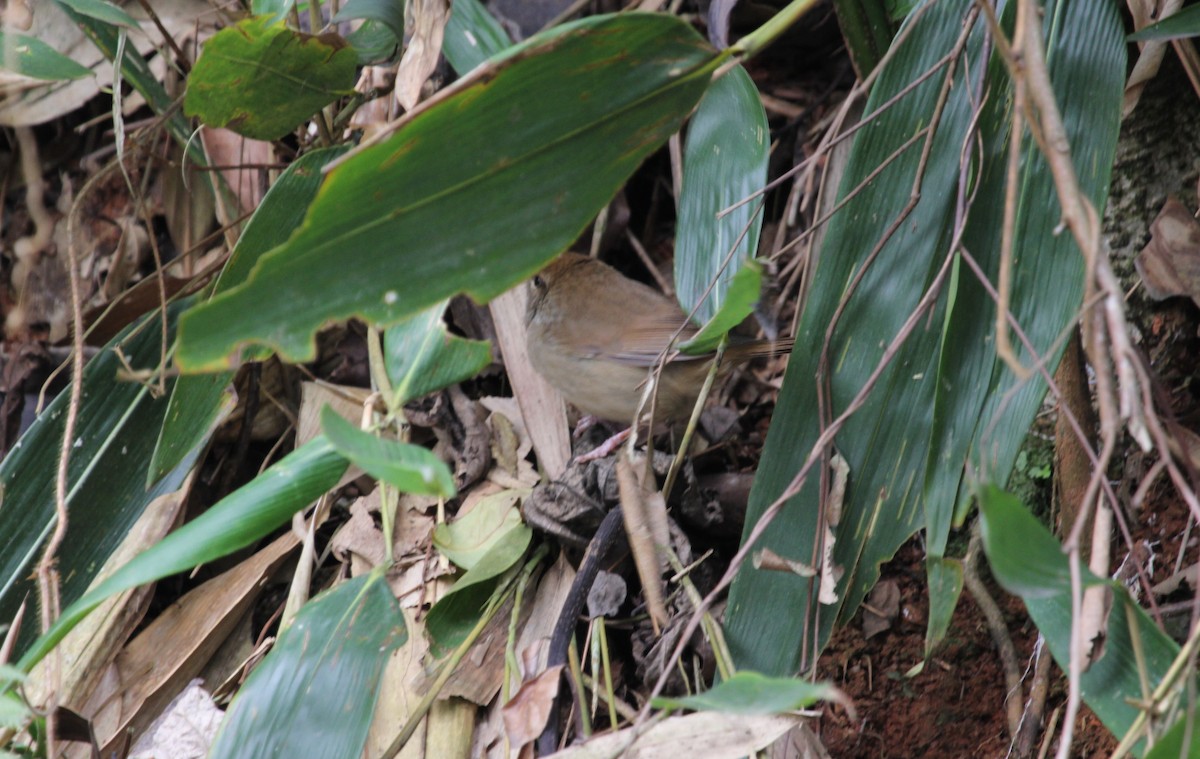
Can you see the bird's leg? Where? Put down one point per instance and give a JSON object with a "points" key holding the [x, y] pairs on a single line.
{"points": [[607, 447]]}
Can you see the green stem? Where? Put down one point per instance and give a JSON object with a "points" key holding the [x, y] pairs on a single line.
{"points": [[755, 42]]}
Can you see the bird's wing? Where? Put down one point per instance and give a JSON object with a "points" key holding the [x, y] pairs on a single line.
{"points": [[642, 345]]}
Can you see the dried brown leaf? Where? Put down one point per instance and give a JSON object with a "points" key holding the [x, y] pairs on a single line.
{"points": [[881, 608], [175, 647], [428, 23], [526, 713], [1170, 264]]}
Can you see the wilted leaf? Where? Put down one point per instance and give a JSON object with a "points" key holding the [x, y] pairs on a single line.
{"points": [[1170, 263], [526, 713]]}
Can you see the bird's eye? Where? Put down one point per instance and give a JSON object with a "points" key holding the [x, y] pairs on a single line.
{"points": [[538, 282]]}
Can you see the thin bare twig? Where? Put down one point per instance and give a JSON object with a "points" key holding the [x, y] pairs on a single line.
{"points": [[48, 581], [999, 631]]}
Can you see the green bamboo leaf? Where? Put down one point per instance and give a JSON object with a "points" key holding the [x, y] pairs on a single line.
{"points": [[981, 406], [32, 57], [262, 80], [103, 11], [908, 445], [724, 162], [945, 586], [410, 468], [753, 693], [472, 36], [739, 300], [421, 356], [197, 400], [315, 693], [1017, 547], [580, 109], [1025, 557], [867, 29], [1185, 23], [236, 521], [118, 421], [881, 508]]}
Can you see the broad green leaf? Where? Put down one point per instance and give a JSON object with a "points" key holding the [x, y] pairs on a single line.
{"points": [[467, 539], [1171, 744], [390, 13], [421, 355], [248, 514], [1185, 23], [740, 299], [453, 617], [1012, 538], [315, 693], [908, 445], [456, 613], [409, 468], [373, 43], [262, 80], [106, 494], [867, 29], [882, 507], [1025, 557], [579, 108], [378, 38], [1086, 57], [101, 10], [945, 586], [196, 401], [752, 693], [472, 36], [724, 162], [898, 9], [32, 57]]}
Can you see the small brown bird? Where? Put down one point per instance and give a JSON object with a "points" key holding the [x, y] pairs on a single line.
{"points": [[594, 334]]}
